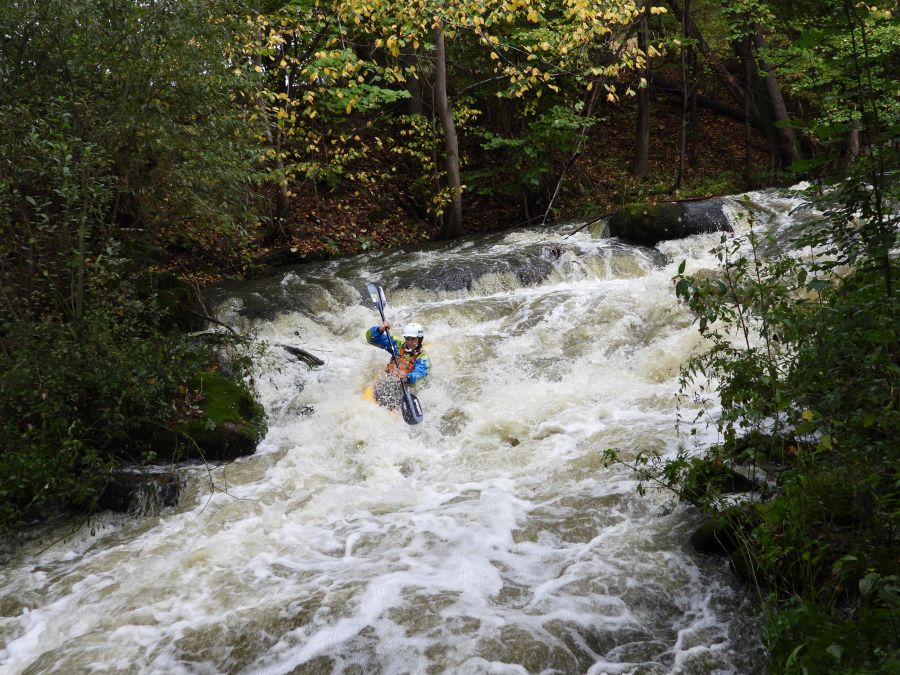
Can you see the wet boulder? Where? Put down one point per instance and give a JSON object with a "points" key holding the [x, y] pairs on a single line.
{"points": [[648, 224], [219, 420], [142, 491], [227, 423], [711, 476], [528, 268], [723, 533]]}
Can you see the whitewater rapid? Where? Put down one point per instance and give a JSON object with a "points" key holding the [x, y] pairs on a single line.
{"points": [[491, 538]]}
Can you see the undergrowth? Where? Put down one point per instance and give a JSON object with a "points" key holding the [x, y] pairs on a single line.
{"points": [[802, 360]]}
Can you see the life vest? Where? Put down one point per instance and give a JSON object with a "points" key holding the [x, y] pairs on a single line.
{"points": [[406, 360]]}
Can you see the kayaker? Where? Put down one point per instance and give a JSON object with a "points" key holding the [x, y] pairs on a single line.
{"points": [[413, 361]]}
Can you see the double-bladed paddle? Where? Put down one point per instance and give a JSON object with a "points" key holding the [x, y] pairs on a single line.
{"points": [[409, 406]]}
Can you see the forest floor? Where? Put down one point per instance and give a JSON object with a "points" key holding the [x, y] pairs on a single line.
{"points": [[340, 222], [599, 181]]}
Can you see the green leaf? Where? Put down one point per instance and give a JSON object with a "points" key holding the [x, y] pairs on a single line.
{"points": [[867, 583]]}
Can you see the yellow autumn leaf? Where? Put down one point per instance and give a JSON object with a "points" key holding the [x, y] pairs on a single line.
{"points": [[533, 16]]}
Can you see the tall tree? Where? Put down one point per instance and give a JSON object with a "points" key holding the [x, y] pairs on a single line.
{"points": [[116, 125], [642, 133], [782, 121], [453, 218], [536, 59]]}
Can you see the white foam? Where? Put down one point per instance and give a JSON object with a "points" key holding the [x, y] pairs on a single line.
{"points": [[490, 538]]}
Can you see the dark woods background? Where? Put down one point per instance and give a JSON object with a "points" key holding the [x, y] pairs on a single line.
{"points": [[148, 148]]}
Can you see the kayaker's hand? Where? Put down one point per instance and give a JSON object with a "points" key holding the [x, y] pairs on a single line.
{"points": [[385, 326]]}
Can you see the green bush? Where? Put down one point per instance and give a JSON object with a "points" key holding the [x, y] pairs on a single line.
{"points": [[75, 397]]}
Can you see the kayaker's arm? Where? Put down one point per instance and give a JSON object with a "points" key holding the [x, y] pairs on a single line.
{"points": [[375, 336], [420, 369]]}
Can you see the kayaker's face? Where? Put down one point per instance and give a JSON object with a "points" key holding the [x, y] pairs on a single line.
{"points": [[412, 342]]}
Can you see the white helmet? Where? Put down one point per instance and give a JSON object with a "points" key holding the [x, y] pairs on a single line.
{"points": [[413, 330]]}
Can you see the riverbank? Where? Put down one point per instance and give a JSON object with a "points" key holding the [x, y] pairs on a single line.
{"points": [[352, 218]]}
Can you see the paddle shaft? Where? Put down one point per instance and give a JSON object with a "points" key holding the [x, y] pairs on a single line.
{"points": [[394, 354], [412, 410]]}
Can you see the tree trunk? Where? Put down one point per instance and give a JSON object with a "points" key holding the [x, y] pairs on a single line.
{"points": [[849, 148], [748, 129], [453, 215], [682, 136], [642, 133], [414, 105], [786, 140], [731, 84], [670, 88], [694, 158], [274, 138], [756, 102]]}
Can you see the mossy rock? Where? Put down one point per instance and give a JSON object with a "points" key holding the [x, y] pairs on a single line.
{"points": [[648, 224], [231, 423]]}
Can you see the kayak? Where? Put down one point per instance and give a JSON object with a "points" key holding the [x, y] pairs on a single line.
{"points": [[385, 391]]}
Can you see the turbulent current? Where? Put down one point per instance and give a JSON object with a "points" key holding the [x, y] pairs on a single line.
{"points": [[490, 538]]}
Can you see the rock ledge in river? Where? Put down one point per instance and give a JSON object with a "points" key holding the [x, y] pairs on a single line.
{"points": [[648, 224]]}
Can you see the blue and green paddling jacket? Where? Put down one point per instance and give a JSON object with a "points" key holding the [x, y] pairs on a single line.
{"points": [[414, 363]]}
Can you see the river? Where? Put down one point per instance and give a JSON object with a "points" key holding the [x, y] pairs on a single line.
{"points": [[490, 538]]}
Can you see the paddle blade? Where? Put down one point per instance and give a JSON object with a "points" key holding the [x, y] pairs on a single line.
{"points": [[411, 408], [376, 293]]}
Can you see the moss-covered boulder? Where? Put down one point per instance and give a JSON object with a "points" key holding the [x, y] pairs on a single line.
{"points": [[230, 422], [648, 224]]}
